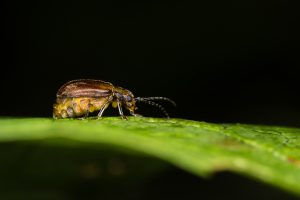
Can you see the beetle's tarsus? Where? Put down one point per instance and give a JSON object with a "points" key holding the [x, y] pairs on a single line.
{"points": [[124, 117], [136, 115]]}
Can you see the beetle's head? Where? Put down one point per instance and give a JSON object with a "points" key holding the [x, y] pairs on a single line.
{"points": [[126, 98]]}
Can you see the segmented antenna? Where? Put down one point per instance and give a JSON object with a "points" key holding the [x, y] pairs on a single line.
{"points": [[158, 98], [154, 104]]}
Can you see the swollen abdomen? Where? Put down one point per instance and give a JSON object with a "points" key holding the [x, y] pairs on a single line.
{"points": [[76, 107]]}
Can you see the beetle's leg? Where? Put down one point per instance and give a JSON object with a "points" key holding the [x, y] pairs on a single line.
{"points": [[87, 111], [104, 107], [120, 110], [78, 107]]}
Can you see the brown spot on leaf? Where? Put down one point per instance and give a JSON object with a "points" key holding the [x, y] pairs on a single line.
{"points": [[294, 161], [229, 143]]}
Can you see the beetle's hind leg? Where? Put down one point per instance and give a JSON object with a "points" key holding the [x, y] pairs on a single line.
{"points": [[86, 114], [87, 110]]}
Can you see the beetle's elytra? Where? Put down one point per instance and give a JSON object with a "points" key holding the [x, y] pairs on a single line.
{"points": [[78, 98]]}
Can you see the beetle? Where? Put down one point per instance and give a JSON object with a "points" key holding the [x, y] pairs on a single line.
{"points": [[80, 97]]}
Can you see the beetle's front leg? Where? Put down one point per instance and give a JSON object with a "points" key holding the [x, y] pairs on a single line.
{"points": [[120, 110]]}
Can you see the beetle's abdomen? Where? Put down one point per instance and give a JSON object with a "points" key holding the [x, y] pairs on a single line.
{"points": [[77, 107]]}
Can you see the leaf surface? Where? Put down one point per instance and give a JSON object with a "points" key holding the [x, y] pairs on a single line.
{"points": [[265, 153]]}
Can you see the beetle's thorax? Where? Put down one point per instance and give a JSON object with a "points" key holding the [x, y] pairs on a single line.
{"points": [[125, 97]]}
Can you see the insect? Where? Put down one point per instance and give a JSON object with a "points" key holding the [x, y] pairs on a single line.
{"points": [[80, 97]]}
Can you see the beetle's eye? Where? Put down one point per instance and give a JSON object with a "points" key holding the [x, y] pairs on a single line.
{"points": [[128, 98]]}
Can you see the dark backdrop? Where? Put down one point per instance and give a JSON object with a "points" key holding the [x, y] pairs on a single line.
{"points": [[221, 61]]}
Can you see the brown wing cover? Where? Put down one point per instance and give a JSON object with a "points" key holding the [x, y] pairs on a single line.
{"points": [[85, 88]]}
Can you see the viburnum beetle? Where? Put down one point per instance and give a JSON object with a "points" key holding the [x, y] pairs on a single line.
{"points": [[78, 98]]}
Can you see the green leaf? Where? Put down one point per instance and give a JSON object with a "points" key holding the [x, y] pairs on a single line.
{"points": [[266, 153]]}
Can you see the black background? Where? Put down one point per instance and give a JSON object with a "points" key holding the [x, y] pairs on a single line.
{"points": [[221, 61]]}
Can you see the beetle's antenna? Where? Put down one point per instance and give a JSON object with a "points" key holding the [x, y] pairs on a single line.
{"points": [[153, 104], [159, 98]]}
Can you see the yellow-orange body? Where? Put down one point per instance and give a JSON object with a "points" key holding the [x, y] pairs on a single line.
{"points": [[76, 107], [78, 98]]}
